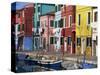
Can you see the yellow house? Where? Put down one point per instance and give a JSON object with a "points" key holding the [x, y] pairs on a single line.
{"points": [[83, 30]]}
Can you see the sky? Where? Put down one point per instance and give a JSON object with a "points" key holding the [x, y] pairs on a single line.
{"points": [[18, 5]]}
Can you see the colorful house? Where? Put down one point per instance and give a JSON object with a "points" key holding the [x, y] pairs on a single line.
{"points": [[70, 29], [36, 27], [19, 31], [63, 16], [40, 9], [94, 31], [28, 24], [59, 39], [47, 35], [83, 30]]}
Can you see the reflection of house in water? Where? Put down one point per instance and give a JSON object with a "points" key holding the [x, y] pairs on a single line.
{"points": [[40, 9]]}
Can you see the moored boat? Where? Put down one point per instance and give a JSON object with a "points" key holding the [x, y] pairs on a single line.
{"points": [[88, 65], [53, 64]]}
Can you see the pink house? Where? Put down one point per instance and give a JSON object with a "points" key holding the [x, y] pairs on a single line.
{"points": [[47, 32]]}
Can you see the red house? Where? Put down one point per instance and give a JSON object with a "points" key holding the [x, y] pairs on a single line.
{"points": [[28, 19], [17, 24], [63, 16], [28, 14], [69, 30]]}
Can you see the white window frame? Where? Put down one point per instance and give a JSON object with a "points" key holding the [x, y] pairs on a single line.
{"points": [[64, 22]]}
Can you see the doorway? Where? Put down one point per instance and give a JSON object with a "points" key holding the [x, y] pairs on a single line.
{"points": [[73, 42]]}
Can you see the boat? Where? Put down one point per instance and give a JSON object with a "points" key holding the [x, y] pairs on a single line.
{"points": [[51, 64], [25, 58], [85, 65], [47, 63], [43, 61], [88, 65]]}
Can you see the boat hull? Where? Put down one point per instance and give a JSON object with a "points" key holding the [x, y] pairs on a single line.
{"points": [[88, 66], [55, 65]]}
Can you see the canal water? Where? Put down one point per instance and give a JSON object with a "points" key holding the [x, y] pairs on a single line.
{"points": [[22, 66]]}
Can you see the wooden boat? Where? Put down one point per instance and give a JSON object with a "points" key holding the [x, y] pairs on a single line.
{"points": [[52, 64]]}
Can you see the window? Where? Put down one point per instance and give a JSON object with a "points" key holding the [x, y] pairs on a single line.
{"points": [[55, 24], [19, 15], [38, 9], [69, 40], [60, 23], [18, 27], [22, 26], [51, 23], [59, 7], [51, 40], [79, 19], [34, 9], [78, 41], [56, 8], [89, 41], [38, 23], [55, 40], [95, 16], [62, 41], [88, 17], [23, 13], [65, 22], [70, 21]]}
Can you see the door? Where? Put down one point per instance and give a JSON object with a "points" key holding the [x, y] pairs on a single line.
{"points": [[73, 42], [44, 43], [83, 45], [65, 45], [37, 42], [94, 48]]}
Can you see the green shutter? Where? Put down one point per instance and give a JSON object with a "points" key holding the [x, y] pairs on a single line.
{"points": [[62, 41], [19, 27], [51, 23], [55, 24], [79, 19], [51, 40], [60, 23], [79, 41]]}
